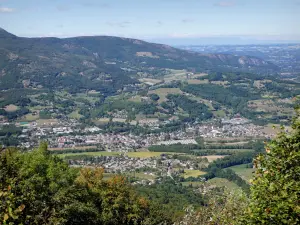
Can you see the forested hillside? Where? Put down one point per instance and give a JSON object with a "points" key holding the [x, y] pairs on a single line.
{"points": [[101, 63]]}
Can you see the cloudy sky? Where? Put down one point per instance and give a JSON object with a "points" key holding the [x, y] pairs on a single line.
{"points": [[153, 19]]}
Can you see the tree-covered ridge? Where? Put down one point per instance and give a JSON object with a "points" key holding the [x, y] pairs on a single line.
{"points": [[100, 63], [231, 96], [195, 110]]}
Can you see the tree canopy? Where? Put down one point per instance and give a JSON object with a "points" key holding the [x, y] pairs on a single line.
{"points": [[275, 190], [39, 188]]}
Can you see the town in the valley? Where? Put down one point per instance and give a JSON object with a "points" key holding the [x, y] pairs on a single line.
{"points": [[129, 153]]}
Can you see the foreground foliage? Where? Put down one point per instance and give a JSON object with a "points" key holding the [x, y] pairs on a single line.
{"points": [[170, 197], [275, 191], [222, 208], [38, 188]]}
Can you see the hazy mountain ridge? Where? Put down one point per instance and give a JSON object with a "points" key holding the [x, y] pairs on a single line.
{"points": [[101, 62]]}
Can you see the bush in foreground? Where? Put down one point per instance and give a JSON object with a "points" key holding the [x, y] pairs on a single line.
{"points": [[39, 188]]}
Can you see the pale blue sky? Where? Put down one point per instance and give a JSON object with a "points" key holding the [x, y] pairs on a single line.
{"points": [[150, 19]]}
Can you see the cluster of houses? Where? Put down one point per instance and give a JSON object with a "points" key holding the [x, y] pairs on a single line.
{"points": [[161, 165], [231, 130], [115, 164], [70, 134], [122, 114], [66, 134], [172, 142], [110, 142]]}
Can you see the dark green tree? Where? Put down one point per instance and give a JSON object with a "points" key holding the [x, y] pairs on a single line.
{"points": [[275, 190], [154, 97]]}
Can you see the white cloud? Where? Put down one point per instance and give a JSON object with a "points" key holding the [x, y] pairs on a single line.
{"points": [[6, 10]]}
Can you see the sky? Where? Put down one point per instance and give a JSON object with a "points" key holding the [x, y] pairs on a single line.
{"points": [[161, 20]]}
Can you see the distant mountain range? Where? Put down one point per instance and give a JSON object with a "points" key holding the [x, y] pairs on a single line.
{"points": [[101, 63], [221, 40]]}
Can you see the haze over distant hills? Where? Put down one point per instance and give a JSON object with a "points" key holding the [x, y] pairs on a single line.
{"points": [[101, 62], [221, 40]]}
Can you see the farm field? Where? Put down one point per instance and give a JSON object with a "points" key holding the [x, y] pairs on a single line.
{"points": [[86, 97], [270, 106], [223, 151], [163, 92], [11, 108], [235, 143], [195, 81], [120, 120], [222, 182], [227, 139], [148, 154], [136, 98], [129, 154], [212, 158], [269, 95], [101, 153], [227, 145], [46, 122], [175, 75], [273, 129], [261, 83], [75, 115], [140, 175], [29, 117], [101, 121], [93, 93], [182, 75], [75, 148], [197, 75], [219, 113], [222, 83], [150, 81], [38, 108], [192, 173], [244, 172]]}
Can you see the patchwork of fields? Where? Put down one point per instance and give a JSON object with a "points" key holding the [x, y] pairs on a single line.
{"points": [[243, 171], [163, 92]]}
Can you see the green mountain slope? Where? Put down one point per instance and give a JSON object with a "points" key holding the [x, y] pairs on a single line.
{"points": [[100, 63]]}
